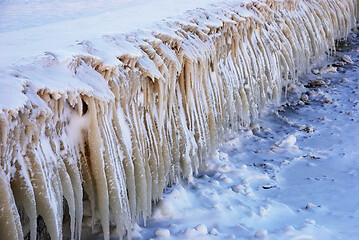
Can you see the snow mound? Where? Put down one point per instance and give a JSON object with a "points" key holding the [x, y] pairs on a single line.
{"points": [[286, 145]]}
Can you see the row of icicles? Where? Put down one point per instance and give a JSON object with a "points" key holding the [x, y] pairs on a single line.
{"points": [[168, 103]]}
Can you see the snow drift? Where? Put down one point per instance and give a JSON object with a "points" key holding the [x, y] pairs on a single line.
{"points": [[115, 124]]}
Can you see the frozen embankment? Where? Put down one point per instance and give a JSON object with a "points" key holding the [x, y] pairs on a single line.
{"points": [[115, 123]]}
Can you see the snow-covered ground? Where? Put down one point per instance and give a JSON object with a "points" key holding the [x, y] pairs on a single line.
{"points": [[294, 175]]}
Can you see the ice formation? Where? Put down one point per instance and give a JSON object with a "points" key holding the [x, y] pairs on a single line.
{"points": [[116, 123]]}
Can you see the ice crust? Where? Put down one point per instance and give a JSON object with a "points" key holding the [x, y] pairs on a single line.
{"points": [[124, 117]]}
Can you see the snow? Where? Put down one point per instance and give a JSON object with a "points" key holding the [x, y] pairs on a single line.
{"points": [[60, 24], [309, 193], [11, 96]]}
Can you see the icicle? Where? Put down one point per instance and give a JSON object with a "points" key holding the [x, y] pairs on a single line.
{"points": [[44, 195], [115, 177], [24, 195], [74, 174], [10, 227], [98, 168], [139, 170], [87, 176], [68, 195]]}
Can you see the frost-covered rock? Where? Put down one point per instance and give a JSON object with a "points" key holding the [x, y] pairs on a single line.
{"points": [[164, 209], [164, 233], [287, 144], [201, 229], [304, 97], [347, 59]]}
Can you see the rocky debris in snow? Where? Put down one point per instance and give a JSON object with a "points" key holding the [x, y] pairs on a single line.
{"points": [[281, 109], [307, 128], [316, 83], [328, 100], [285, 162], [254, 126], [327, 81], [328, 69], [263, 165], [304, 97], [301, 103], [339, 63], [347, 59], [311, 156], [316, 71], [312, 93], [291, 87]]}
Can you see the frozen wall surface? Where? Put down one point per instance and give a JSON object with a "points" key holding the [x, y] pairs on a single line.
{"points": [[96, 135]]}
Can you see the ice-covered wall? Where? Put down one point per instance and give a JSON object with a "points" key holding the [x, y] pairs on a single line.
{"points": [[118, 122]]}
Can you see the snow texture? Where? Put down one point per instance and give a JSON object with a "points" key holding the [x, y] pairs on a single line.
{"points": [[119, 119]]}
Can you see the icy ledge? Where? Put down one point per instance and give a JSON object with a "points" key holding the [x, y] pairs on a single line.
{"points": [[118, 122]]}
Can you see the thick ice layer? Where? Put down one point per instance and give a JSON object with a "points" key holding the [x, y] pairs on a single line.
{"points": [[122, 119]]}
